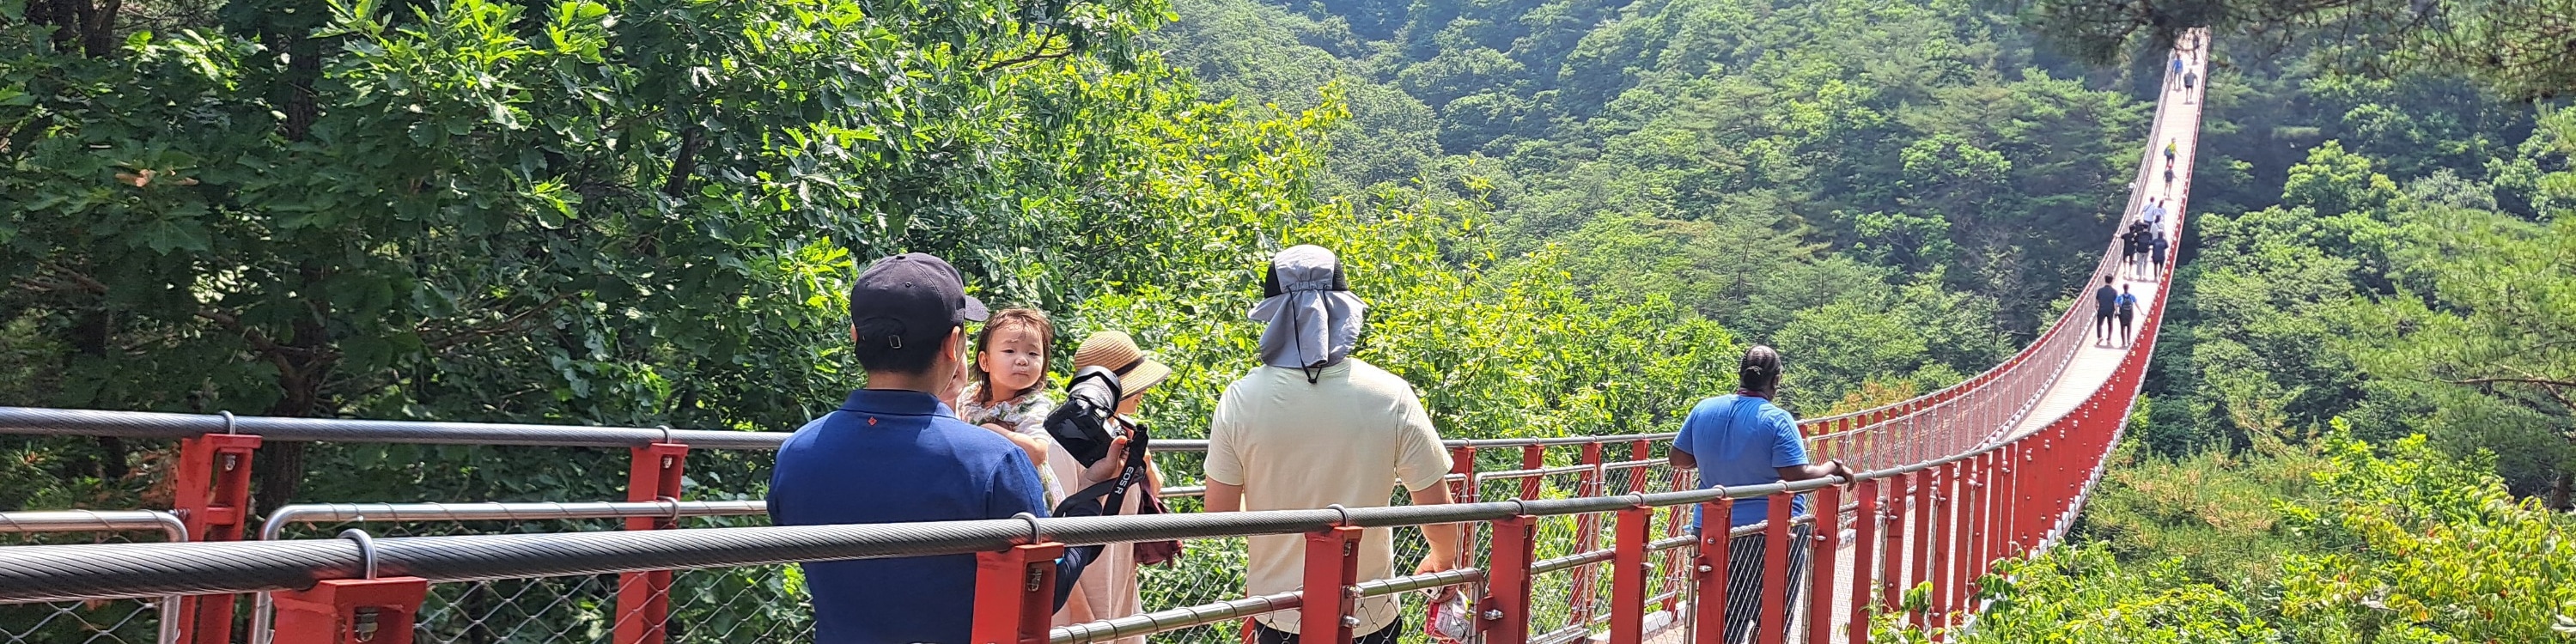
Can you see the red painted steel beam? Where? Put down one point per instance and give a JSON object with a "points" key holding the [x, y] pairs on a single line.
{"points": [[1628, 573], [1331, 594], [212, 499], [1504, 614], [1015, 594], [644, 598]]}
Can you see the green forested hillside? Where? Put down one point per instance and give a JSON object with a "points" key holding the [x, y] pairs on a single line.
{"points": [[1829, 177]]}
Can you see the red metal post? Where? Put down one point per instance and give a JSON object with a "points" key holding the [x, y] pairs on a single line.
{"points": [[1944, 510], [1771, 625], [1971, 497], [2037, 475], [1462, 462], [213, 499], [1628, 573], [644, 598], [1918, 536], [1014, 594], [350, 611], [1507, 588], [1332, 574], [1638, 451], [1533, 456], [1827, 541], [1587, 534], [1864, 561], [1709, 575]]}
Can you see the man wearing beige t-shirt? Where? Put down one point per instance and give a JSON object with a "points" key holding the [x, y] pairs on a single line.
{"points": [[1313, 427]]}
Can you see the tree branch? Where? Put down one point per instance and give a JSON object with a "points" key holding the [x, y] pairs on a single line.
{"points": [[513, 324], [2526, 381], [1040, 53]]}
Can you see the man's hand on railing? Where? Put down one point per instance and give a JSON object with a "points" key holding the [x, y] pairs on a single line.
{"points": [[1435, 562], [1820, 470]]}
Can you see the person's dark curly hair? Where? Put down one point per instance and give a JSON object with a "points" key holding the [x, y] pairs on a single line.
{"points": [[1760, 369]]}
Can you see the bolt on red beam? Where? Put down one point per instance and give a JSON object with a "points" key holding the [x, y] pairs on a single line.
{"points": [[1015, 594], [644, 598], [1331, 594], [1709, 575], [1827, 540], [1628, 571], [1771, 624], [350, 611], [1504, 615], [1864, 561], [213, 500]]}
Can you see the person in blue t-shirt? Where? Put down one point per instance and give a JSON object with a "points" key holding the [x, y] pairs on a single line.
{"points": [[1743, 439], [895, 452]]}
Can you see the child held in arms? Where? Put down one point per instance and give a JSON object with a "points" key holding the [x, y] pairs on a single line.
{"points": [[1008, 389]]}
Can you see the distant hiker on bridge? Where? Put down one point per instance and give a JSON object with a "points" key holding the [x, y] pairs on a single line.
{"points": [[2132, 242], [1743, 439], [894, 453], [2128, 314], [2153, 214], [2156, 251], [2106, 302], [2170, 149], [1313, 427], [2177, 68]]}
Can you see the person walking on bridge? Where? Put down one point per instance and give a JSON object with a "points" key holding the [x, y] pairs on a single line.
{"points": [[1312, 427], [2106, 301], [2156, 251], [2132, 244], [1743, 439], [2128, 315], [2176, 75], [894, 452]]}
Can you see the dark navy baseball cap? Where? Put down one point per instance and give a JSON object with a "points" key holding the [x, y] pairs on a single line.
{"points": [[910, 300]]}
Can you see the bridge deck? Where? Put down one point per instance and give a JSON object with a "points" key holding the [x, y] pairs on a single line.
{"points": [[2093, 364]]}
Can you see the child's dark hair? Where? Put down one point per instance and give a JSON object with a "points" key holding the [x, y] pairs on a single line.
{"points": [[1035, 319]]}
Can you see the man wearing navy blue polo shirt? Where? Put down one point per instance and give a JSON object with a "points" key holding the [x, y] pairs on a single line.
{"points": [[1740, 440], [895, 453]]}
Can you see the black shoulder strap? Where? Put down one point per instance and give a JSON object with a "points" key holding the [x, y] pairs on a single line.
{"points": [[1106, 497]]}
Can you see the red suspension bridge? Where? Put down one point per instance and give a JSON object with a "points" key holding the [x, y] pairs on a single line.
{"points": [[1573, 538]]}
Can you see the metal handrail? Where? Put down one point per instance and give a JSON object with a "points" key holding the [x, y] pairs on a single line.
{"points": [[55, 521], [36, 421], [49, 573], [263, 613]]}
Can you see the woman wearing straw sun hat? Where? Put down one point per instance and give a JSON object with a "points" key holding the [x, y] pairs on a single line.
{"points": [[1108, 590]]}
